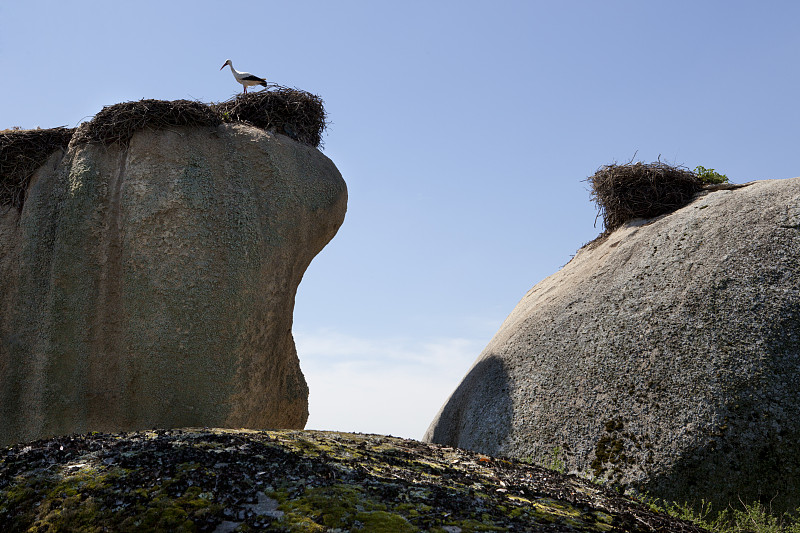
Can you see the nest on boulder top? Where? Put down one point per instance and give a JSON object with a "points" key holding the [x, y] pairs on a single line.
{"points": [[117, 123], [292, 112], [21, 153], [641, 190]]}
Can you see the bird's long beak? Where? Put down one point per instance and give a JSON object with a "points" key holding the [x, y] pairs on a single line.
{"points": [[223, 66]]}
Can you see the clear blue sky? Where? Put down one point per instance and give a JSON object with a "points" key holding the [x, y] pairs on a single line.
{"points": [[464, 131]]}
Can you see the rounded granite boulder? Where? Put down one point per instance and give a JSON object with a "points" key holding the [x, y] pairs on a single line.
{"points": [[664, 357], [153, 284]]}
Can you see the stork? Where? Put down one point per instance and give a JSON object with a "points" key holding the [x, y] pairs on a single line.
{"points": [[245, 78]]}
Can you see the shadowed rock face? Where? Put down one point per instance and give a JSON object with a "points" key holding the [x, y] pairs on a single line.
{"points": [[154, 286], [481, 399], [665, 357]]}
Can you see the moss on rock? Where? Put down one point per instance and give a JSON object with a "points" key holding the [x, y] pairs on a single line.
{"points": [[298, 481]]}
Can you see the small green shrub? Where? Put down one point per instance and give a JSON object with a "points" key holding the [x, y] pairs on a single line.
{"points": [[555, 461], [709, 176], [753, 518], [552, 461]]}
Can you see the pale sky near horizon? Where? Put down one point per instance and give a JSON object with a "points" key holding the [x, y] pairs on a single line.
{"points": [[464, 131]]}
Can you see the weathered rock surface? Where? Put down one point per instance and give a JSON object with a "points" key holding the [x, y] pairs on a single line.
{"points": [[665, 357], [154, 285], [227, 480]]}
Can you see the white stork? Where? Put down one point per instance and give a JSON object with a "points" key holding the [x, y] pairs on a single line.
{"points": [[245, 78]]}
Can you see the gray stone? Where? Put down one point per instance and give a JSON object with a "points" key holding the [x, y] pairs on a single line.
{"points": [[227, 526], [154, 285], [665, 357], [266, 506]]}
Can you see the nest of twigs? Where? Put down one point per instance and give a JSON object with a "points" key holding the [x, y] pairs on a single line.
{"points": [[117, 123], [21, 153], [641, 190], [292, 112]]}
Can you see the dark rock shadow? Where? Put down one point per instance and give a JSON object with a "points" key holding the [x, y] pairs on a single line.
{"points": [[477, 416], [729, 471]]}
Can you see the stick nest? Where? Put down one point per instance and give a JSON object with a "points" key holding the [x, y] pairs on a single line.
{"points": [[641, 190], [117, 123], [292, 112], [21, 153], [295, 113]]}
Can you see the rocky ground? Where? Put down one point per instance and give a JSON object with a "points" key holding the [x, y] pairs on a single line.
{"points": [[213, 480]]}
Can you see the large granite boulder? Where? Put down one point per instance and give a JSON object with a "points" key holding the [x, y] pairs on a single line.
{"points": [[152, 284], [664, 357]]}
